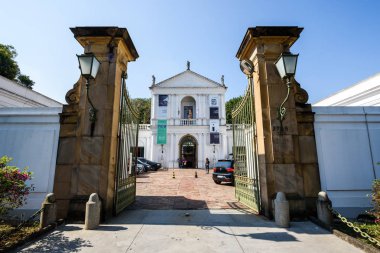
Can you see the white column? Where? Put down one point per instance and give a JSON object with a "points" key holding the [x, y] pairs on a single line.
{"points": [[171, 150], [148, 150], [207, 110], [178, 107], [174, 144], [205, 147], [223, 110], [152, 148], [204, 106], [200, 150], [224, 150], [169, 113], [175, 106], [154, 104], [198, 110]]}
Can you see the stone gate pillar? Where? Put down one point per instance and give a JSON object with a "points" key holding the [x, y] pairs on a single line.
{"points": [[85, 163], [287, 159]]}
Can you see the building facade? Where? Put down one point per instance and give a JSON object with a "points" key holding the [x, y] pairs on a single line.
{"points": [[188, 122], [29, 129], [347, 132]]}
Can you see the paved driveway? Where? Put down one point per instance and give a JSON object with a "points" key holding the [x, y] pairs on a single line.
{"points": [[158, 190]]}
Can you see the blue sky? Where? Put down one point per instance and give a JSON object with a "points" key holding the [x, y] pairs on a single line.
{"points": [[338, 47]]}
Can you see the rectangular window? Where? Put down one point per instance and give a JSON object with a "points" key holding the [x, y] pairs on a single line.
{"points": [[163, 100], [140, 152], [214, 112], [214, 138]]}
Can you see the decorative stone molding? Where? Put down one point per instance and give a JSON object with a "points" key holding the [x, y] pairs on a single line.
{"points": [[300, 95], [72, 96]]}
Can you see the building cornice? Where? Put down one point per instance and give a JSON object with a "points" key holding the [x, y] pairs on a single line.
{"points": [[80, 33], [288, 34], [191, 72]]}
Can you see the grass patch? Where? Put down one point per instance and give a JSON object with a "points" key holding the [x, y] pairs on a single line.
{"points": [[372, 229], [16, 236]]}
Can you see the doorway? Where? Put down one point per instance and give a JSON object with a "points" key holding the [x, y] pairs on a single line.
{"points": [[188, 152]]}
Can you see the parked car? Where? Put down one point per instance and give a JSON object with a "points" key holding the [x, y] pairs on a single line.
{"points": [[139, 168], [153, 165], [223, 171], [147, 167]]}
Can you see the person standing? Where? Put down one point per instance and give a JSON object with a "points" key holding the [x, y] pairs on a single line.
{"points": [[207, 165]]}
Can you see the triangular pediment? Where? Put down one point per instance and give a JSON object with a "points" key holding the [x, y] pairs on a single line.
{"points": [[188, 79]]}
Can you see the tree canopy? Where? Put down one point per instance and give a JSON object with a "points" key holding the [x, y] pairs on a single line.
{"points": [[142, 105], [9, 67], [230, 106]]}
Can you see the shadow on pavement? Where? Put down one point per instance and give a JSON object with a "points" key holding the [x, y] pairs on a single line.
{"points": [[167, 202], [212, 219], [57, 242], [111, 228], [269, 236]]}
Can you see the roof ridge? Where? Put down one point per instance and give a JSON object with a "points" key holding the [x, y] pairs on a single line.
{"points": [[190, 71], [348, 87]]}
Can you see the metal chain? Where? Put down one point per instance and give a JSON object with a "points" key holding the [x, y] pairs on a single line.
{"points": [[5, 235], [355, 228]]}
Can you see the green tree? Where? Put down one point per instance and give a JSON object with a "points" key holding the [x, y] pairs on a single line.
{"points": [[230, 106], [9, 67], [143, 106], [25, 81]]}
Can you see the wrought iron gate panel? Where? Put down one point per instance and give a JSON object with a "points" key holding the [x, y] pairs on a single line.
{"points": [[125, 178], [245, 151]]}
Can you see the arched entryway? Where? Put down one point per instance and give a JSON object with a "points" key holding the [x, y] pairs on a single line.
{"points": [[188, 108], [188, 152]]}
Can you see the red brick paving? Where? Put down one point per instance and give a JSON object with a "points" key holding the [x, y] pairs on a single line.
{"points": [[158, 190]]}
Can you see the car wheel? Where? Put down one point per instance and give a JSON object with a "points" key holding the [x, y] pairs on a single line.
{"points": [[217, 182]]}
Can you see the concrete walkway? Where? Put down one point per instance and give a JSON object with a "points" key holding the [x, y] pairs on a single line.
{"points": [[189, 214], [216, 230]]}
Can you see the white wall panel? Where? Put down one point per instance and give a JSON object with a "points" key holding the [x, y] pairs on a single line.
{"points": [[348, 146], [30, 137]]}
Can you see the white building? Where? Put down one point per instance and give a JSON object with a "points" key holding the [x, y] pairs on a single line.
{"points": [[188, 121], [347, 132], [364, 93], [14, 95], [29, 131]]}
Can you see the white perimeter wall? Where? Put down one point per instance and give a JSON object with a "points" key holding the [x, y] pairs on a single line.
{"points": [[348, 145], [30, 137]]}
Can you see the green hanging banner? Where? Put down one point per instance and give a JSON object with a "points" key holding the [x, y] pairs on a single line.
{"points": [[161, 131]]}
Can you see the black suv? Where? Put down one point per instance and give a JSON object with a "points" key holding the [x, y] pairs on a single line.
{"points": [[223, 171], [153, 165]]}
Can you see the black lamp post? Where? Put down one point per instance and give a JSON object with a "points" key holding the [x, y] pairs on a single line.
{"points": [[89, 66], [286, 65]]}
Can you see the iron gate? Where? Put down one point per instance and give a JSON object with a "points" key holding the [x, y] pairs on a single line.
{"points": [[125, 179], [245, 151]]}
